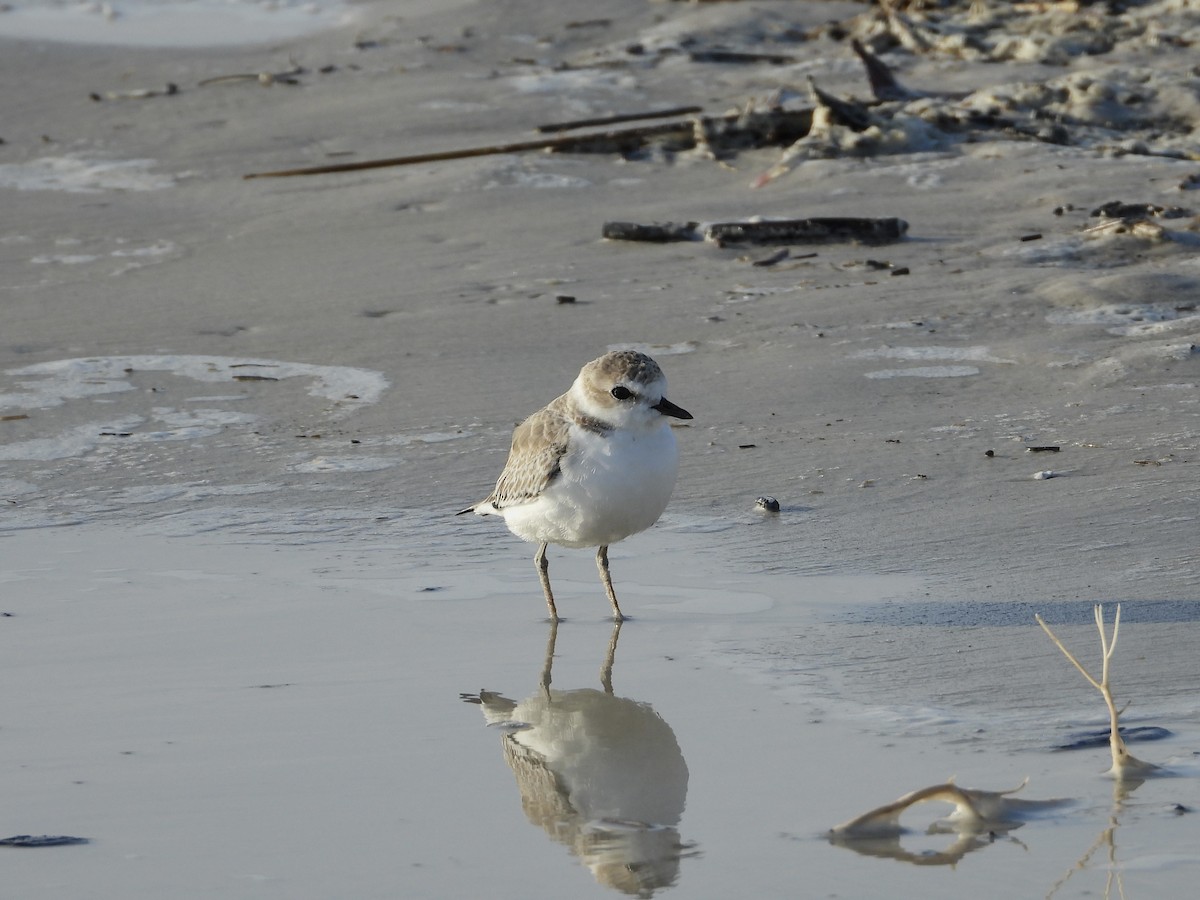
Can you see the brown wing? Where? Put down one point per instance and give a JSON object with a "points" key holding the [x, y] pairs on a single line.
{"points": [[538, 446]]}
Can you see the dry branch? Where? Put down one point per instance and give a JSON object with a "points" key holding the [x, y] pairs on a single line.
{"points": [[1124, 764], [808, 231], [554, 127], [736, 131]]}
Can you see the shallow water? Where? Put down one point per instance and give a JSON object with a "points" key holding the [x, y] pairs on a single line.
{"points": [[246, 716], [241, 643], [234, 677]]}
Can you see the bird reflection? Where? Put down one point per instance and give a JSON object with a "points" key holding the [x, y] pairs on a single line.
{"points": [[599, 773]]}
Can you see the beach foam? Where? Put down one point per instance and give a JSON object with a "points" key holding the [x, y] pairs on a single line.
{"points": [[72, 379], [81, 175]]}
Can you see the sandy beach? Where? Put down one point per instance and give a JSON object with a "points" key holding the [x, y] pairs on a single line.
{"points": [[254, 652]]}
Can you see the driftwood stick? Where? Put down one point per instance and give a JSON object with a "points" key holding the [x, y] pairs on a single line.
{"points": [[626, 137], [654, 234], [807, 231], [778, 231], [617, 119], [781, 127], [437, 156]]}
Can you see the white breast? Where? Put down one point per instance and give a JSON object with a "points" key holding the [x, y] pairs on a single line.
{"points": [[611, 486]]}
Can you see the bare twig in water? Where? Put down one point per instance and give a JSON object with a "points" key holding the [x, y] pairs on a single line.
{"points": [[1107, 840], [885, 820], [975, 811], [1124, 764]]}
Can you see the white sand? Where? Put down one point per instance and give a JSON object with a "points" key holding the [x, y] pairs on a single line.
{"points": [[238, 416]]}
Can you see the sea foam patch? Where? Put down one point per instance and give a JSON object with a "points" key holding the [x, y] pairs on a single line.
{"points": [[567, 81], [321, 464], [967, 354], [925, 372], [82, 175], [929, 354], [518, 178], [75, 441], [429, 437], [163, 425], [659, 349], [117, 256], [72, 379], [1129, 319]]}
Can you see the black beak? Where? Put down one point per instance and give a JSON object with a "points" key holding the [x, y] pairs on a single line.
{"points": [[667, 408]]}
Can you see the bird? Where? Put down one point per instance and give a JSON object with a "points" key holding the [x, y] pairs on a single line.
{"points": [[592, 467]]}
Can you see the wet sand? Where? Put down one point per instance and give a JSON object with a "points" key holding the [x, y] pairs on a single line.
{"points": [[268, 717], [238, 417]]}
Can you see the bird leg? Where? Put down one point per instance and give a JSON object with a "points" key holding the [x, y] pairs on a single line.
{"points": [[606, 669], [543, 567], [549, 663], [602, 565]]}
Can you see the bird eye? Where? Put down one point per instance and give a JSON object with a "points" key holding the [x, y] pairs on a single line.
{"points": [[621, 392]]}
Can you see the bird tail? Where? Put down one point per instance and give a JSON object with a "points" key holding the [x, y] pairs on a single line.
{"points": [[482, 508]]}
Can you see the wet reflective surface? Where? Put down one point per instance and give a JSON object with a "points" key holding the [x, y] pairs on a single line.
{"points": [[973, 613], [244, 719], [599, 773]]}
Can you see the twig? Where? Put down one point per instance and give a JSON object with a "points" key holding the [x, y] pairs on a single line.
{"points": [[632, 137], [617, 119], [777, 257], [779, 127], [975, 811], [1124, 763], [263, 78]]}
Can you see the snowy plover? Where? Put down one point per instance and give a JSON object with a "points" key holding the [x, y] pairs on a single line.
{"points": [[593, 467]]}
